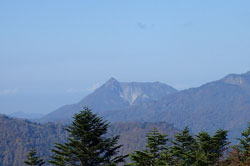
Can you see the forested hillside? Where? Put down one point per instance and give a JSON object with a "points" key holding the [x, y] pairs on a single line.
{"points": [[133, 134], [19, 136]]}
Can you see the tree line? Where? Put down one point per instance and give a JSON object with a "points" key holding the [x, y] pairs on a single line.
{"points": [[87, 145]]}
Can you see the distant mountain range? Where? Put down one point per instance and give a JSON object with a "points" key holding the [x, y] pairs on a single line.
{"points": [[24, 115], [224, 103], [221, 104], [113, 95]]}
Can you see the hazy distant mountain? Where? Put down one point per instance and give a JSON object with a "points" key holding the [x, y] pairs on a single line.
{"points": [[23, 115], [19, 136], [113, 95], [220, 104]]}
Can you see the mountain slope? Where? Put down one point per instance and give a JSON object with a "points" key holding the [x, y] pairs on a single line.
{"points": [[19, 136], [220, 104], [113, 95]]}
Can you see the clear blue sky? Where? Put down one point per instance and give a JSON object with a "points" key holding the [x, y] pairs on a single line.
{"points": [[53, 52]]}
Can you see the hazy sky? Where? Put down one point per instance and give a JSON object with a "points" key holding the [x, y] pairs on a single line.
{"points": [[53, 52]]}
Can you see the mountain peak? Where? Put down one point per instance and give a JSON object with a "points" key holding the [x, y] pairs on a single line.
{"points": [[112, 79], [112, 82]]}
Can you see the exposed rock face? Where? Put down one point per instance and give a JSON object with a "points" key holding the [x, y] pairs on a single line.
{"points": [[135, 93], [234, 79], [239, 80]]}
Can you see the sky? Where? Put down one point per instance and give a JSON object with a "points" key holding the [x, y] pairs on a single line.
{"points": [[54, 52]]}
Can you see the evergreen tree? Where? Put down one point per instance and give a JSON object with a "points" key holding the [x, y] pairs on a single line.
{"points": [[155, 153], [184, 148], [241, 152], [204, 149], [220, 144], [210, 148], [33, 159], [87, 145]]}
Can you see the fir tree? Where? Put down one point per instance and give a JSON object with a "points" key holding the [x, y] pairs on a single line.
{"points": [[33, 159], [210, 148], [220, 144], [87, 145], [204, 149], [184, 148], [241, 152], [155, 153]]}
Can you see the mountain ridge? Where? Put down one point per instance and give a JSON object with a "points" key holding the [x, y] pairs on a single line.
{"points": [[224, 103]]}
